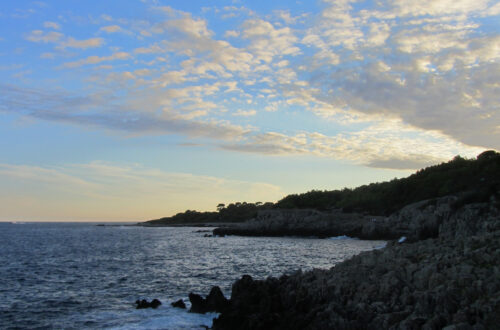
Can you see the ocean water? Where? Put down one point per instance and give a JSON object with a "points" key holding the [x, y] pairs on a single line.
{"points": [[83, 276]]}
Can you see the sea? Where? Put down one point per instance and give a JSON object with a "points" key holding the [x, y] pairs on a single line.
{"points": [[84, 276]]}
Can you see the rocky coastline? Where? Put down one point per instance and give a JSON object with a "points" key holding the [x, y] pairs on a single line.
{"points": [[416, 221], [446, 274]]}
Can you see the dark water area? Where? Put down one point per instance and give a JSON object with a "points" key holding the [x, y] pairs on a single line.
{"points": [[79, 275]]}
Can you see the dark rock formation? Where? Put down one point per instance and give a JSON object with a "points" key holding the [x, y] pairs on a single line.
{"points": [[446, 274], [416, 221], [281, 222], [198, 303], [215, 302], [179, 304], [145, 304]]}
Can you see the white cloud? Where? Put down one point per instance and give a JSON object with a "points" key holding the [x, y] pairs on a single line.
{"points": [[430, 64], [45, 37], [267, 41], [111, 29], [231, 34], [52, 25], [183, 21], [62, 41], [437, 7], [82, 44], [136, 115], [155, 48], [494, 10], [388, 144], [287, 17], [379, 32], [418, 41], [98, 59], [245, 113]]}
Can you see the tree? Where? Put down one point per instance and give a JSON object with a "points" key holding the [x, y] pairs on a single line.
{"points": [[221, 206]]}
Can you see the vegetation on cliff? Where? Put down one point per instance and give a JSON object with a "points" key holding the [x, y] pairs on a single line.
{"points": [[479, 177], [234, 212]]}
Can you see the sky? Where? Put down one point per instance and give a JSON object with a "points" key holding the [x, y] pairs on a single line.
{"points": [[134, 110]]}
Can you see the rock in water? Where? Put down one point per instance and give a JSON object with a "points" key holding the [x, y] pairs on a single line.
{"points": [[179, 304], [155, 303], [145, 304], [198, 303], [215, 302]]}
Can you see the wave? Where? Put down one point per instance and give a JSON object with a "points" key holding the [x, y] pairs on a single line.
{"points": [[335, 238], [170, 318]]}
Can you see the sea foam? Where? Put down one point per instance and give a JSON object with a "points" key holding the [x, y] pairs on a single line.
{"points": [[170, 318]]}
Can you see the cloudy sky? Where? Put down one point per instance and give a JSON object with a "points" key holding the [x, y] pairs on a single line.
{"points": [[132, 110]]}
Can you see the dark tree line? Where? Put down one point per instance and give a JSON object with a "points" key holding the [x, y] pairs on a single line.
{"points": [[234, 212], [477, 179]]}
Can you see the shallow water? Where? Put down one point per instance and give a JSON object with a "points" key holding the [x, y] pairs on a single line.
{"points": [[75, 275]]}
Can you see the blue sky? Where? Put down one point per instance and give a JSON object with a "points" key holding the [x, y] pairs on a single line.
{"points": [[113, 110]]}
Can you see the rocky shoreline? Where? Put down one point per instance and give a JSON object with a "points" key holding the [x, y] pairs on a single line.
{"points": [[445, 275], [416, 221]]}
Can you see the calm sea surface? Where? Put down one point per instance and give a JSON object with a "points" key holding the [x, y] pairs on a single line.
{"points": [[77, 276]]}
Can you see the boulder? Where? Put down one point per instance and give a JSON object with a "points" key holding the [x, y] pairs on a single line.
{"points": [[145, 304], [179, 304]]}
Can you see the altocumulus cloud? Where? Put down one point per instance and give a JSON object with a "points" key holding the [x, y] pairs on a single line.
{"points": [[63, 107], [403, 83]]}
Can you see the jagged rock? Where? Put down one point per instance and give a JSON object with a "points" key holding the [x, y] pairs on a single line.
{"points": [[198, 303], [179, 304], [215, 302], [145, 304]]}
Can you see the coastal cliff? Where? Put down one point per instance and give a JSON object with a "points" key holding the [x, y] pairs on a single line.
{"points": [[305, 222], [416, 221], [446, 274]]}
